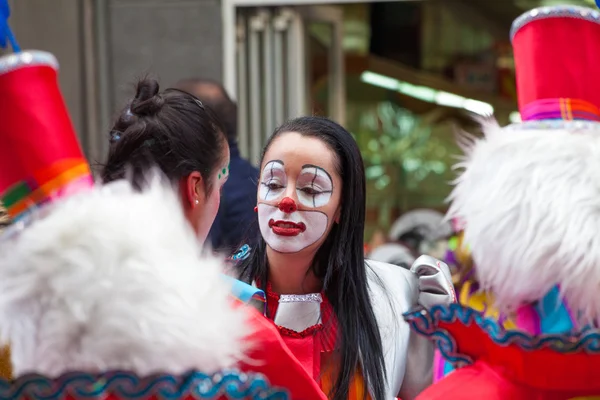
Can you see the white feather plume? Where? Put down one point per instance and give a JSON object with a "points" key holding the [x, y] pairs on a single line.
{"points": [[113, 279], [530, 200]]}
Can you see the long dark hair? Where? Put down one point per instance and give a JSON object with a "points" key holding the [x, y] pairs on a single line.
{"points": [[171, 130], [339, 262]]}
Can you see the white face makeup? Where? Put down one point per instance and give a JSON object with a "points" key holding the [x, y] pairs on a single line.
{"points": [[305, 228], [314, 186], [288, 217], [273, 181]]}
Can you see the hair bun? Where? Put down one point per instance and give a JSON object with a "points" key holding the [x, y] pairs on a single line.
{"points": [[147, 101]]}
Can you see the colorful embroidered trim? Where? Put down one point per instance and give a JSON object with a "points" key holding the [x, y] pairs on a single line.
{"points": [[44, 185], [561, 109], [125, 385], [426, 323]]}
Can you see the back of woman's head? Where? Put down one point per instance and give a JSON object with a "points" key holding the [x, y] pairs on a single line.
{"points": [[171, 130]]}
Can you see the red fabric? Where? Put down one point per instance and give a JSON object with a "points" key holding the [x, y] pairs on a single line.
{"points": [[557, 58], [307, 346], [543, 368], [35, 127], [268, 356], [271, 357], [326, 330], [481, 381]]}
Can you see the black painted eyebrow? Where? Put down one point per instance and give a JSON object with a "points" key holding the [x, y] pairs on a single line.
{"points": [[275, 161], [317, 167], [271, 171]]}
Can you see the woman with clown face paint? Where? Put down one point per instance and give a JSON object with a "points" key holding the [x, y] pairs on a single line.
{"points": [[339, 314], [302, 227]]}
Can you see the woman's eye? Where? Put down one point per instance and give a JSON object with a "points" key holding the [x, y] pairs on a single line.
{"points": [[273, 185], [310, 191]]}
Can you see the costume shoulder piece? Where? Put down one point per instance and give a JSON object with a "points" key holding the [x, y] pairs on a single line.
{"points": [[426, 283], [394, 291], [559, 362]]}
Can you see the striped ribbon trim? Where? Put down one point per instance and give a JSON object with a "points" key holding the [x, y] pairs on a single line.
{"points": [[45, 185], [562, 109]]}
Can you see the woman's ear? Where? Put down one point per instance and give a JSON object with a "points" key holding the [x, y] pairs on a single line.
{"points": [[194, 189]]}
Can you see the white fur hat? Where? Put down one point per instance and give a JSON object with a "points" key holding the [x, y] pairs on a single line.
{"points": [[113, 280], [530, 202]]}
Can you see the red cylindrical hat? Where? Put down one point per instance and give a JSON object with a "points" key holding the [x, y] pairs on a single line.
{"points": [[40, 157], [557, 58]]}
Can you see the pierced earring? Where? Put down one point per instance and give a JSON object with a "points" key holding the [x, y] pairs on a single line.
{"points": [[255, 209], [197, 201]]}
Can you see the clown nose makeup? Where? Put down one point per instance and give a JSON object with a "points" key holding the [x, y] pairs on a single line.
{"points": [[288, 205], [290, 232]]}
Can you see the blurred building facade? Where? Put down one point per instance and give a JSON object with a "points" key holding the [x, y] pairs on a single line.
{"points": [[398, 74]]}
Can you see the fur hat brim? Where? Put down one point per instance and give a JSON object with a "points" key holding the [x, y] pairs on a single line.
{"points": [[113, 279], [530, 201]]}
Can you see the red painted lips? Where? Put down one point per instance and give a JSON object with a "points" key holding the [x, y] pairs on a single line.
{"points": [[286, 228]]}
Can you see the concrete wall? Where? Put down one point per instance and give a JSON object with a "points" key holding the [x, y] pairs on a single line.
{"points": [[172, 39], [54, 26], [104, 45]]}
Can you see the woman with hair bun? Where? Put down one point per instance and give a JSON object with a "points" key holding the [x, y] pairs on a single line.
{"points": [[174, 131]]}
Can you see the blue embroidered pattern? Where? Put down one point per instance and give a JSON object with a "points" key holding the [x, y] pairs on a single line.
{"points": [[426, 323], [242, 253], [125, 385]]}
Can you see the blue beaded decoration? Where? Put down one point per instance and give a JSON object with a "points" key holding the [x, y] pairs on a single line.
{"points": [[242, 253]]}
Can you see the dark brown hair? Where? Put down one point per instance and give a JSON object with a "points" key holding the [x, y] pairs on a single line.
{"points": [[171, 130], [214, 95]]}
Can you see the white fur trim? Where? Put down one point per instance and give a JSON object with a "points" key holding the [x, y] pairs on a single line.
{"points": [[112, 279], [530, 201]]}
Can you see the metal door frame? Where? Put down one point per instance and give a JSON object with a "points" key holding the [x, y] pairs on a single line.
{"points": [[228, 12], [337, 86]]}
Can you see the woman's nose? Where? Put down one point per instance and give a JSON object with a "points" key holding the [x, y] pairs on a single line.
{"points": [[287, 205]]}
